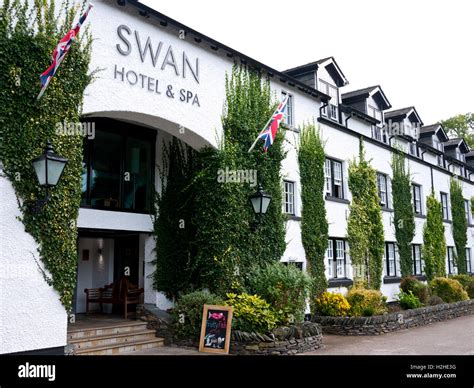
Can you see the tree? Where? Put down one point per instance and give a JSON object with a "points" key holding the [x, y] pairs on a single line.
{"points": [[314, 225], [365, 228], [461, 126], [403, 215], [434, 241], [459, 224]]}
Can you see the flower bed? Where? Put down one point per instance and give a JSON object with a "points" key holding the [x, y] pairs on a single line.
{"points": [[285, 340], [386, 323]]}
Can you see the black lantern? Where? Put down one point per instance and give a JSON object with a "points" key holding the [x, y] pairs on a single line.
{"points": [[48, 168], [260, 201]]}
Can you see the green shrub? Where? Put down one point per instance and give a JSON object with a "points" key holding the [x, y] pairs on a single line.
{"points": [[332, 305], [408, 301], [251, 313], [467, 282], [365, 302], [284, 287], [190, 307], [449, 290], [419, 289], [434, 300]]}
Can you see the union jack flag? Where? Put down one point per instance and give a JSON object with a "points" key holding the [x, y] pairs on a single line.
{"points": [[270, 129], [60, 52]]}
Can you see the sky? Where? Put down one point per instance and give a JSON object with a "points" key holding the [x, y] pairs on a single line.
{"points": [[420, 52]]}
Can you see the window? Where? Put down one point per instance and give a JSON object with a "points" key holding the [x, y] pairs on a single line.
{"points": [[414, 150], [393, 260], [289, 111], [468, 260], [417, 199], [118, 167], [333, 177], [452, 268], [467, 211], [289, 197], [418, 265], [332, 91], [440, 159], [444, 205], [297, 264], [336, 258], [375, 113], [382, 189]]}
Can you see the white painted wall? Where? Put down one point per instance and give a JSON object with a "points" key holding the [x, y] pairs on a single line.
{"points": [[95, 272], [31, 315]]}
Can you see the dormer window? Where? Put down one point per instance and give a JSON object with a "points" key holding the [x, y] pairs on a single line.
{"points": [[332, 91], [414, 150]]}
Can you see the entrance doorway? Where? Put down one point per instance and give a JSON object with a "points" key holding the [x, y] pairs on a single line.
{"points": [[104, 257], [126, 258]]}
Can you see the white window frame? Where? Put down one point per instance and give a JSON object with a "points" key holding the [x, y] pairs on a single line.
{"points": [[417, 201], [289, 116], [445, 205], [467, 210], [469, 260], [418, 264], [452, 267], [382, 180], [392, 260], [331, 111], [334, 176], [336, 256], [289, 198]]}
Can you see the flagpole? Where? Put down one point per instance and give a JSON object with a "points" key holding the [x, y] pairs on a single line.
{"points": [[256, 140]]}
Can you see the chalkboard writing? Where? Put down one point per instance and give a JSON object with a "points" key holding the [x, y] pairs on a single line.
{"points": [[215, 329]]}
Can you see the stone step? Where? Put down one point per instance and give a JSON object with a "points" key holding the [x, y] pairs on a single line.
{"points": [[112, 339], [119, 328], [123, 348]]}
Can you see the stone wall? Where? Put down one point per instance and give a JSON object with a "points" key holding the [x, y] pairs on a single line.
{"points": [[299, 338], [286, 340], [381, 324]]}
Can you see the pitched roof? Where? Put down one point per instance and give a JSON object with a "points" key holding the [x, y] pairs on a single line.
{"points": [[402, 113], [332, 67], [457, 142], [376, 91], [357, 93], [199, 38]]}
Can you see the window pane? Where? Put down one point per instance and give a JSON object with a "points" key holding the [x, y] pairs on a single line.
{"points": [[340, 258], [138, 175], [327, 174], [105, 178], [330, 259]]}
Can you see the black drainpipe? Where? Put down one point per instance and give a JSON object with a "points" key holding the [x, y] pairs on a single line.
{"points": [[325, 105]]}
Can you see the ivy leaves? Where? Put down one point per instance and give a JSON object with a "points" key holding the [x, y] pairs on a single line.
{"points": [[365, 232], [314, 225], [26, 43]]}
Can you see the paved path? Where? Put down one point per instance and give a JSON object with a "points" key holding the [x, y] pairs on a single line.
{"points": [[452, 337]]}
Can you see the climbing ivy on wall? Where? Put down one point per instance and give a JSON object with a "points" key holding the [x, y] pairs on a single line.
{"points": [[403, 216], [434, 241], [314, 225], [174, 227], [365, 233], [27, 39], [459, 224], [221, 248], [227, 246]]}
